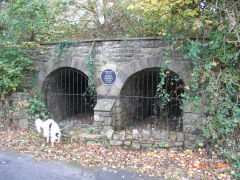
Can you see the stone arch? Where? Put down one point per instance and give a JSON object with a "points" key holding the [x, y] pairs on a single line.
{"points": [[140, 105], [51, 66], [176, 66]]}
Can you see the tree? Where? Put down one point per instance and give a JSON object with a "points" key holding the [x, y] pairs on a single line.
{"points": [[23, 23], [208, 33]]}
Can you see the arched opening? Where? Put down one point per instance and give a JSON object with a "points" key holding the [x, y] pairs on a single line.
{"points": [[142, 105], [66, 96]]}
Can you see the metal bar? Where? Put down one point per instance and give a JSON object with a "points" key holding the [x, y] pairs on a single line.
{"points": [[69, 106], [142, 93], [128, 109], [138, 77], [170, 111], [81, 90], [62, 94], [77, 93], [151, 109], [65, 87], [147, 99], [73, 90]]}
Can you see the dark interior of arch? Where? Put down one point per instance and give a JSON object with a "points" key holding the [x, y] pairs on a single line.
{"points": [[142, 106], [66, 96]]}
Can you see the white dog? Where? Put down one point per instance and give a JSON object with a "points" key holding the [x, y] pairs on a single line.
{"points": [[50, 129]]}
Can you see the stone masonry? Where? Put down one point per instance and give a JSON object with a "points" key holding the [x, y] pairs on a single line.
{"points": [[125, 57]]}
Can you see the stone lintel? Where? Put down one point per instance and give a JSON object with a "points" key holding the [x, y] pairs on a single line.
{"points": [[104, 105]]}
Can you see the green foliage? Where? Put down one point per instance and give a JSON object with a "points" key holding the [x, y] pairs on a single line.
{"points": [[22, 24], [36, 108], [91, 72], [91, 19], [61, 48], [93, 130], [13, 62], [208, 33]]}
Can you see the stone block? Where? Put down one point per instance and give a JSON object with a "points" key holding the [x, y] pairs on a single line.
{"points": [[126, 147], [127, 143], [108, 121], [178, 144], [122, 135], [107, 132], [23, 123], [190, 137], [169, 144], [146, 146], [104, 105], [97, 123], [96, 118], [176, 148], [148, 44], [135, 145], [128, 137], [145, 134], [160, 43], [188, 144], [158, 144], [116, 142], [180, 136], [161, 135], [200, 141], [192, 119], [172, 136], [115, 136], [135, 134]]}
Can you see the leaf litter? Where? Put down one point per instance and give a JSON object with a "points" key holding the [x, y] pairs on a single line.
{"points": [[193, 164]]}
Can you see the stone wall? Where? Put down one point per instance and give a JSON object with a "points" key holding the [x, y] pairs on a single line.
{"points": [[126, 57], [135, 139]]}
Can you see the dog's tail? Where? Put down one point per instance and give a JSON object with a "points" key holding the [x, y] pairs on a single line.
{"points": [[38, 123]]}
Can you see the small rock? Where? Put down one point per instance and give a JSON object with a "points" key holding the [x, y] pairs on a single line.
{"points": [[135, 134], [67, 129], [115, 136], [129, 137], [107, 132], [122, 136], [145, 134], [127, 143], [180, 136], [161, 135], [116, 142], [135, 146]]}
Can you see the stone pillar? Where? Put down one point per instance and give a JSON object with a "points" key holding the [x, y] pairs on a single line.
{"points": [[191, 127], [20, 116], [103, 113]]}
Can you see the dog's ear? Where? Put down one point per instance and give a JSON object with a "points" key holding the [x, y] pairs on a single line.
{"points": [[57, 134]]}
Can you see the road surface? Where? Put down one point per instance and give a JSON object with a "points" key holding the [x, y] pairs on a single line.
{"points": [[15, 166]]}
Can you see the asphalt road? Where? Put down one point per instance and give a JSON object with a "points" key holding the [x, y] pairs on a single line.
{"points": [[15, 166]]}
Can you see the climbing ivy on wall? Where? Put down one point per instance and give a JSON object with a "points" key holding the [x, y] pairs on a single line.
{"points": [[208, 32], [91, 72], [61, 48]]}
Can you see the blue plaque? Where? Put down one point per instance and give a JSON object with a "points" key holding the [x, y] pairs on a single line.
{"points": [[108, 76]]}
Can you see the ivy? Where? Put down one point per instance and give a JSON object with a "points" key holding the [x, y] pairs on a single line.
{"points": [[91, 72], [61, 48], [36, 108]]}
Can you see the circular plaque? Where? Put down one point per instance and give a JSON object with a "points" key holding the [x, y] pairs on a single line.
{"points": [[108, 76]]}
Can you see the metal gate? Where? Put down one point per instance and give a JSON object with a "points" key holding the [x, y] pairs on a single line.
{"points": [[67, 97], [141, 106]]}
